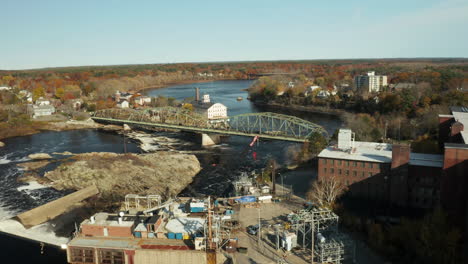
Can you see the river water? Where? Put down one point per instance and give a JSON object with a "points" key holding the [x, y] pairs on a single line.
{"points": [[221, 164]]}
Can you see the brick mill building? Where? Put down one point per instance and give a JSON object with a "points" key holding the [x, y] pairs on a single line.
{"points": [[392, 173]]}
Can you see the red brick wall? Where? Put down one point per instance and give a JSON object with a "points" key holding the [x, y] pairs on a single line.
{"points": [[454, 183], [120, 231], [400, 155], [445, 122], [92, 230]]}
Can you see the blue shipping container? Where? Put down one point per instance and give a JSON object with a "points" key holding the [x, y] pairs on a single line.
{"points": [[197, 209], [171, 235], [178, 235]]}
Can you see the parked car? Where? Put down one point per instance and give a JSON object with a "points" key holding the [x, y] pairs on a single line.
{"points": [[252, 229]]}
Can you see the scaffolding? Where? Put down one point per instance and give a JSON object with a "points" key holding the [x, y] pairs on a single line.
{"points": [[332, 246], [141, 202]]}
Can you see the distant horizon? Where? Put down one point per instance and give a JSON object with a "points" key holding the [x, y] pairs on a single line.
{"points": [[240, 61], [54, 33]]}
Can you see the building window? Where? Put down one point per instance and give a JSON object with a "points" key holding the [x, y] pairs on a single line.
{"points": [[82, 255], [324, 170], [347, 163], [339, 171], [363, 164], [370, 165], [332, 170], [369, 174], [340, 162], [347, 172], [362, 174], [347, 183], [354, 163], [330, 161], [354, 173], [324, 161], [108, 256]]}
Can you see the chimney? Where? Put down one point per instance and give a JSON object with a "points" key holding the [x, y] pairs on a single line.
{"points": [[400, 155], [197, 94]]}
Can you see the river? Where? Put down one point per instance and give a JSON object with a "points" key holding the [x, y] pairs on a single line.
{"points": [[221, 164]]}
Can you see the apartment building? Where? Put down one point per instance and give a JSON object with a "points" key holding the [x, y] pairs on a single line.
{"points": [[370, 82]]}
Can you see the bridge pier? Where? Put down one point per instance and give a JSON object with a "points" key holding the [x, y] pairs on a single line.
{"points": [[210, 139]]}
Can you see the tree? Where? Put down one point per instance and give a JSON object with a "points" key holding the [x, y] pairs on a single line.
{"points": [[38, 92], [317, 142], [326, 191], [188, 107], [59, 93]]}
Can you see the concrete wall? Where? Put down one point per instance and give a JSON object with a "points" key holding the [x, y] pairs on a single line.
{"points": [[55, 208], [143, 256], [210, 139]]}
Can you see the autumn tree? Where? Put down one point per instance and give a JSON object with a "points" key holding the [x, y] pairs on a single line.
{"points": [[326, 191], [38, 92], [316, 143]]}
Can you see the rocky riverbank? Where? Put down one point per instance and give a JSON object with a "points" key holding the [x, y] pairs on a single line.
{"points": [[163, 173]]}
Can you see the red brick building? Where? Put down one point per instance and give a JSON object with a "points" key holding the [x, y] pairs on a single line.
{"points": [[383, 172]]}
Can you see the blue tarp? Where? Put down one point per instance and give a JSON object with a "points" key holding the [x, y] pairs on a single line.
{"points": [[246, 199]]}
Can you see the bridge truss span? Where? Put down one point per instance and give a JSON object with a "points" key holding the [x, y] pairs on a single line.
{"points": [[264, 125]]}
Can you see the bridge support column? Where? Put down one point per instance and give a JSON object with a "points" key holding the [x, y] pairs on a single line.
{"points": [[210, 139]]}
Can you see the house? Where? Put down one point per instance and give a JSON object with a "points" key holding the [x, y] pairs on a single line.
{"points": [[143, 100], [323, 94], [41, 101], [5, 88], [75, 103], [123, 104], [291, 84], [26, 95], [41, 110], [124, 95], [310, 89]]}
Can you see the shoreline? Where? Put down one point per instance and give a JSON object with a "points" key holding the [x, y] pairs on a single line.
{"points": [[310, 109]]}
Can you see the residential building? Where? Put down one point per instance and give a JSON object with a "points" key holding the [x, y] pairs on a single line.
{"points": [[5, 88], [143, 100], [40, 110], [370, 82], [310, 89], [75, 103], [41, 101], [123, 104]]}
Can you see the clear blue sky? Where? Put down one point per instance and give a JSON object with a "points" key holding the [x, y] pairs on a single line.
{"points": [[50, 33]]}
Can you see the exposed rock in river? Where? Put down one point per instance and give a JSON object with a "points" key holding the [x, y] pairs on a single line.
{"points": [[2, 144], [39, 156], [163, 173], [34, 165]]}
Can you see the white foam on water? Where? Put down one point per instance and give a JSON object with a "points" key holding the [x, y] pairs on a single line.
{"points": [[32, 185], [40, 233], [4, 160]]}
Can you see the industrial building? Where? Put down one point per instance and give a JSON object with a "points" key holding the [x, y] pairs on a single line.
{"points": [[212, 111], [391, 173], [370, 82]]}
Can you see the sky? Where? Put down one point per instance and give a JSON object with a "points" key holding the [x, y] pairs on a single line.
{"points": [[47, 33]]}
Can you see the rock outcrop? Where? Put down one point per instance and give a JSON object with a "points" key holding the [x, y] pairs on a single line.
{"points": [[39, 156], [163, 173], [2, 144]]}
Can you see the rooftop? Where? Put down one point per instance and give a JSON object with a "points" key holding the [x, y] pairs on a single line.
{"points": [[426, 160], [362, 151], [127, 243], [460, 114]]}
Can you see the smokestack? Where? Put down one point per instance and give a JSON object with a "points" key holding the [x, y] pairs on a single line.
{"points": [[197, 94]]}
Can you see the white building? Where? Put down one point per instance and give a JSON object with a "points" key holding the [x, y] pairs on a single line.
{"points": [[371, 82], [310, 89], [143, 100], [5, 88], [41, 110], [41, 101], [123, 104]]}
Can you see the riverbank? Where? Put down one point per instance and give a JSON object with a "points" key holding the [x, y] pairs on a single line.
{"points": [[34, 127], [182, 82], [310, 108]]}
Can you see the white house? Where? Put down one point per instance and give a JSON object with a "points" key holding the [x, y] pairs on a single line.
{"points": [[5, 88], [143, 100], [41, 101], [123, 104], [41, 110], [25, 94], [310, 89], [291, 84]]}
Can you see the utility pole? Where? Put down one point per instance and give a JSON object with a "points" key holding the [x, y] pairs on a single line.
{"points": [[259, 229], [312, 247], [273, 176]]}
